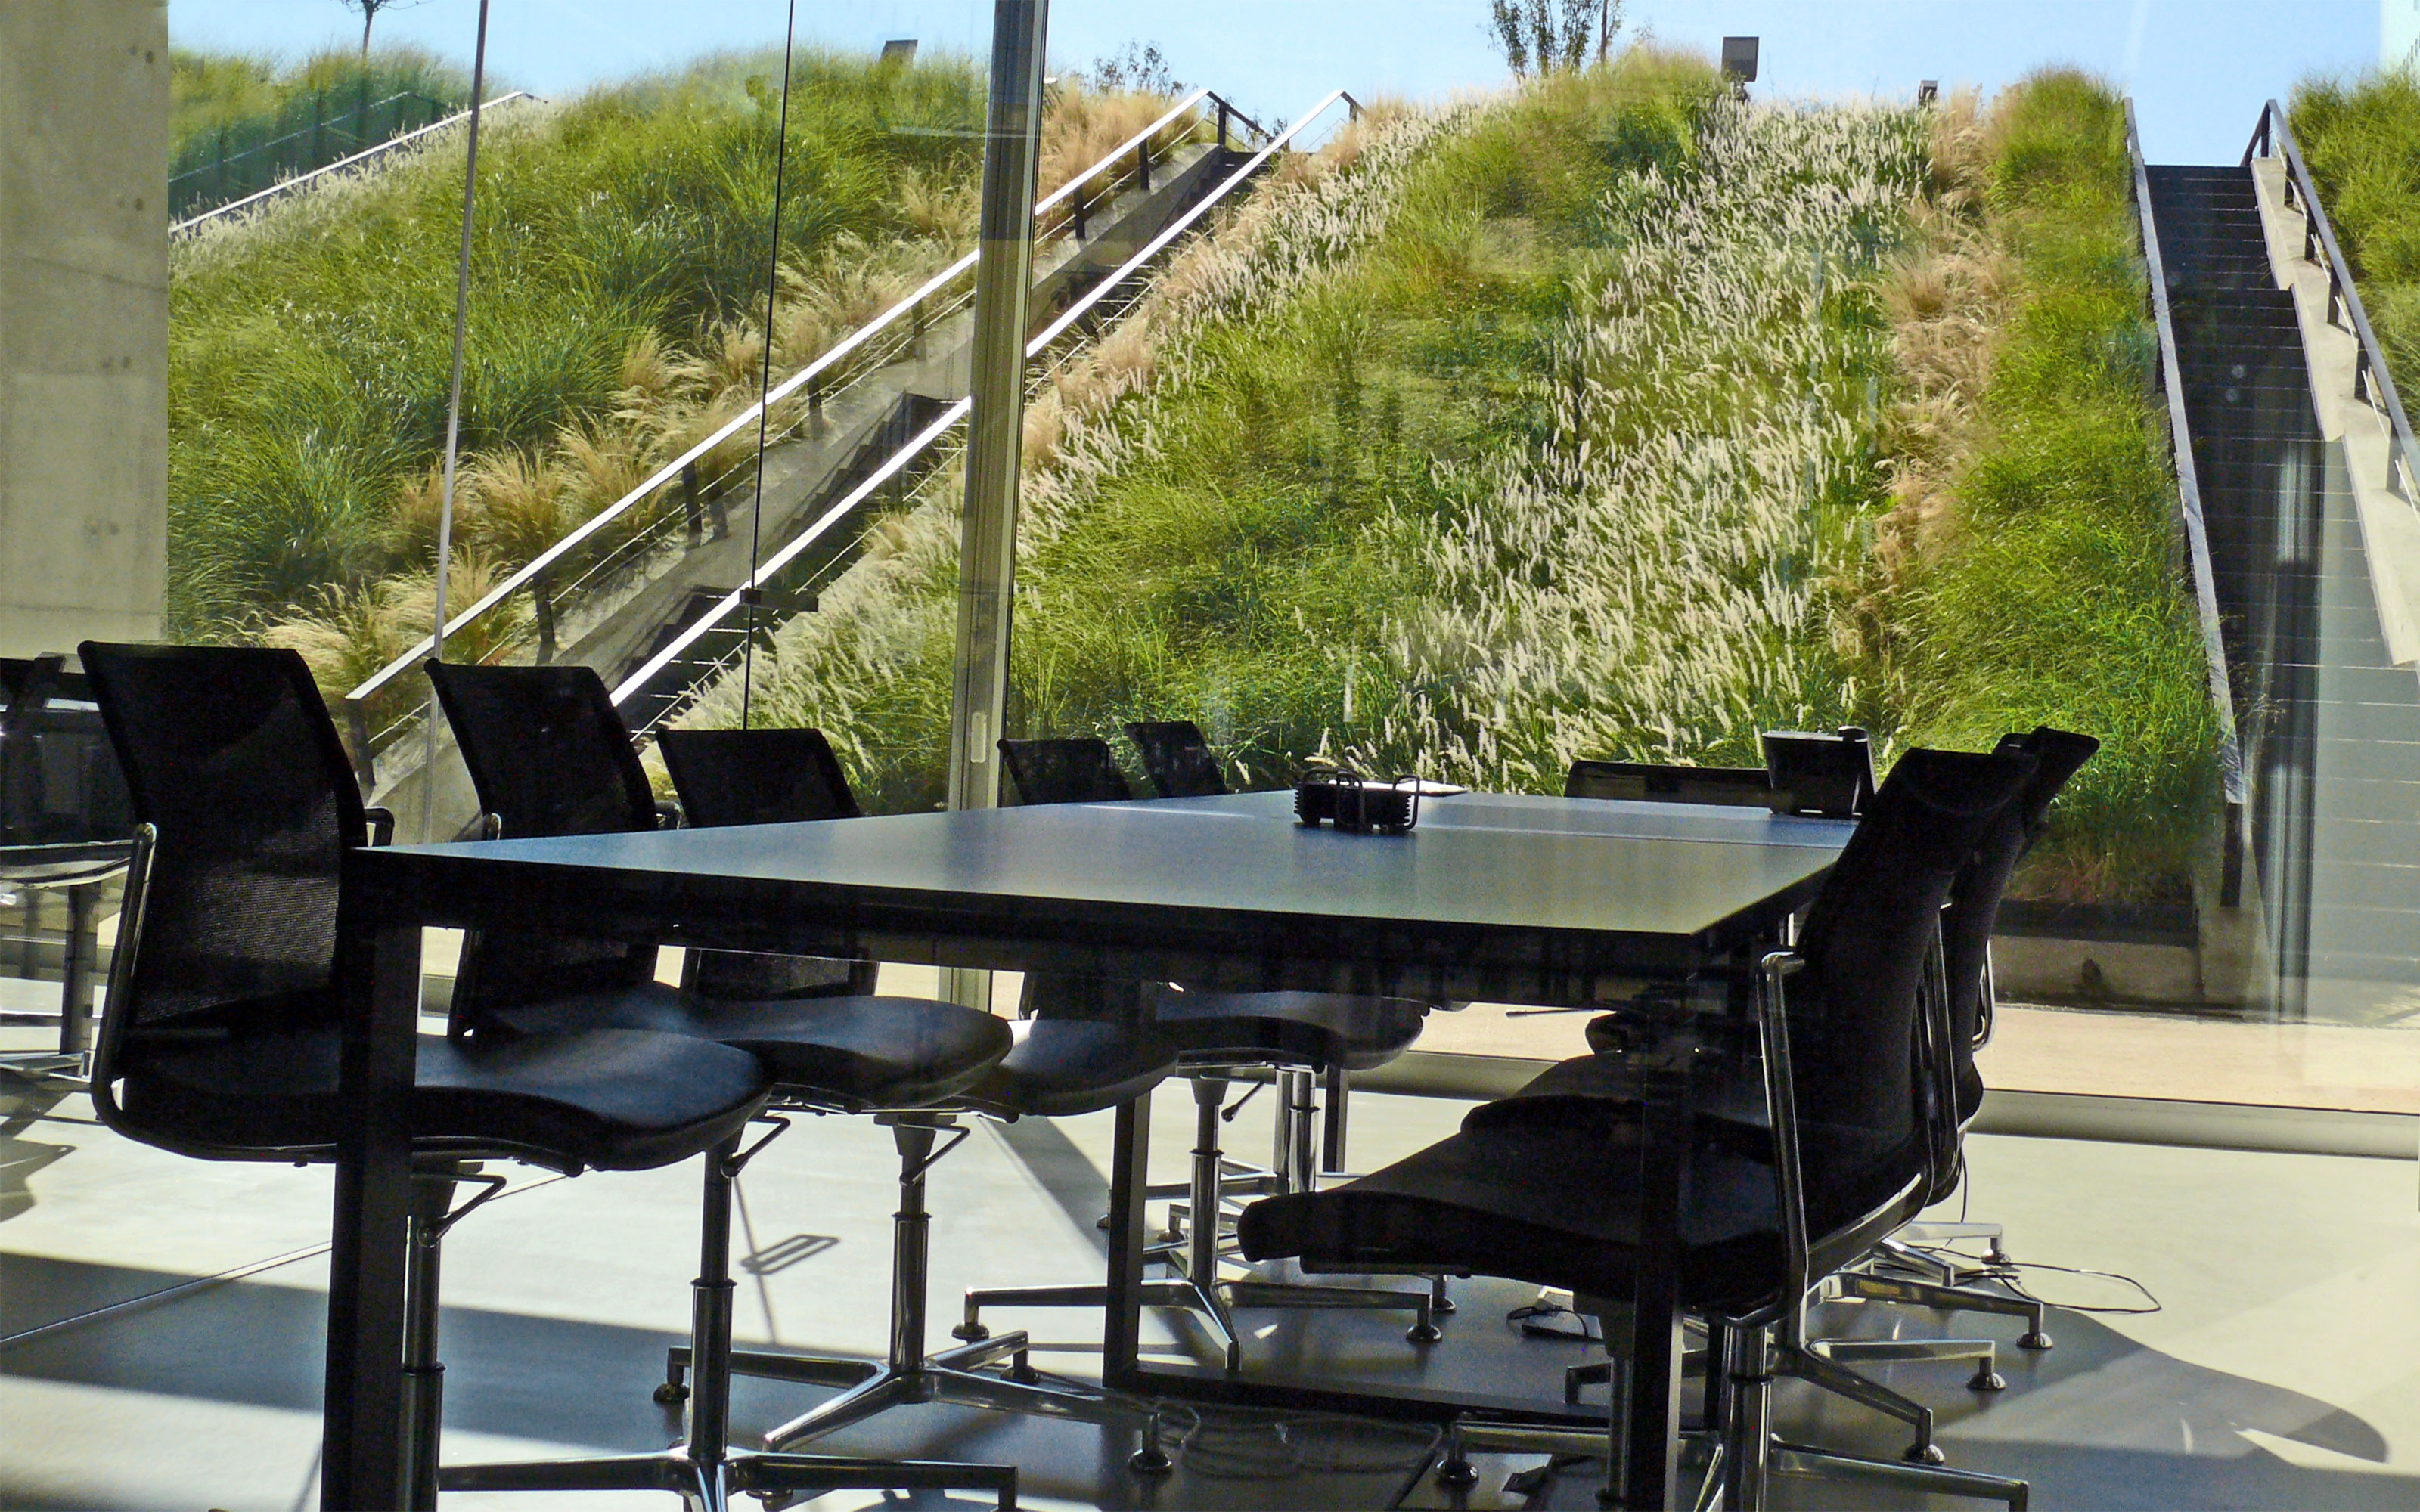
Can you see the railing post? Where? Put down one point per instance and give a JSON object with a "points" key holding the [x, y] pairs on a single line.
{"points": [[1143, 165], [689, 502], [357, 725], [916, 330], [1083, 192], [543, 604], [318, 127], [815, 404], [1224, 109]]}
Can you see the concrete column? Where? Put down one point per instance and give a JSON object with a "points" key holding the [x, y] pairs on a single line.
{"points": [[83, 321]]}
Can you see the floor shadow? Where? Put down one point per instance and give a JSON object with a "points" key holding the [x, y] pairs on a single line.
{"points": [[2100, 1421]]}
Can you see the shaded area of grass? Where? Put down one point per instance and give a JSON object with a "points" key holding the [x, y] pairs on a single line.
{"points": [[2031, 576], [2360, 139]]}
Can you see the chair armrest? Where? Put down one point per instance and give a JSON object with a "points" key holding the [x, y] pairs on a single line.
{"points": [[669, 815], [381, 822], [1781, 1106]]}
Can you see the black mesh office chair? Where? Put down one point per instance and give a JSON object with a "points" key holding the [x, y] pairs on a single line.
{"points": [[1059, 1067], [1177, 758], [1914, 1270], [762, 777], [548, 755], [225, 1011], [1214, 1035], [1543, 1187], [1643, 781]]}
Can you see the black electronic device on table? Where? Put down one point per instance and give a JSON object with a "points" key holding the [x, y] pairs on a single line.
{"points": [[1356, 804], [1815, 773]]}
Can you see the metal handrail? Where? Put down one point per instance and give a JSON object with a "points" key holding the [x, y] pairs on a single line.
{"points": [[899, 460], [2222, 690], [2274, 136], [894, 465], [1113, 161], [285, 185]]}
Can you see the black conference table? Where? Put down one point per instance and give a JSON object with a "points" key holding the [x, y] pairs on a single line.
{"points": [[77, 868], [1500, 899]]}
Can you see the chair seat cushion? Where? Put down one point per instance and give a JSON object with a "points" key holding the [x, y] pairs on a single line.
{"points": [[845, 1052], [1063, 1066], [609, 1099], [1317, 1029], [1847, 1167], [1555, 1206]]}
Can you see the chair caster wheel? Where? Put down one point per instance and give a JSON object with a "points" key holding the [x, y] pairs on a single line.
{"points": [[670, 1394], [1988, 1380], [971, 1333], [1924, 1454], [2034, 1340], [1423, 1334], [1457, 1474], [1102, 1223]]}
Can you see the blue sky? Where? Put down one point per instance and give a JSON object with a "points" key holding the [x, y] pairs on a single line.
{"points": [[2198, 68]]}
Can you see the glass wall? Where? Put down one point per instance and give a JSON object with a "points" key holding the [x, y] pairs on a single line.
{"points": [[1480, 425]]}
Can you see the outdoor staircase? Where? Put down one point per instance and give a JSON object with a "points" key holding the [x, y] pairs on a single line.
{"points": [[2330, 729]]}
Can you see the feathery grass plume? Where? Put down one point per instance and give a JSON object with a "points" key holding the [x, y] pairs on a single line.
{"points": [[347, 634], [871, 666]]}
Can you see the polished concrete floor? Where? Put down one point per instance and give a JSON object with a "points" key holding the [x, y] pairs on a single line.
{"points": [[2280, 1371]]}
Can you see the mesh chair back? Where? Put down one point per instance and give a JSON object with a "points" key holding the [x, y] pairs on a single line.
{"points": [[757, 777], [1075, 770], [230, 755], [1177, 759], [59, 781], [762, 777], [1644, 783], [1856, 1078], [549, 756], [1975, 902]]}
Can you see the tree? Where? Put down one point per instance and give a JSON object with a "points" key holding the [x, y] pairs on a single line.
{"points": [[1552, 33], [370, 9], [1142, 69]]}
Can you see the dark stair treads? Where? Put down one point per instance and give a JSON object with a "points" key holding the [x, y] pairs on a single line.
{"points": [[2330, 729]]}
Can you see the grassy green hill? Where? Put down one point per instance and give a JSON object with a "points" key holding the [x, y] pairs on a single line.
{"points": [[1605, 418], [2360, 139], [619, 237]]}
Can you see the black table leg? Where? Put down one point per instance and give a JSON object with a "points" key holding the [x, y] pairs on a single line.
{"points": [[75, 972], [363, 1448], [1130, 1173], [1652, 1414]]}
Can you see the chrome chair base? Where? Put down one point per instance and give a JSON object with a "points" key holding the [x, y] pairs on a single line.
{"points": [[1195, 1251], [908, 1377], [1869, 1286], [703, 1469]]}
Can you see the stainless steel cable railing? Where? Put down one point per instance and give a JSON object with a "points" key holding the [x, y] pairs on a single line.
{"points": [[864, 350], [343, 164]]}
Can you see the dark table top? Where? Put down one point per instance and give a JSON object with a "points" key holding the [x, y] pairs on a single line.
{"points": [[1226, 890], [71, 864]]}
